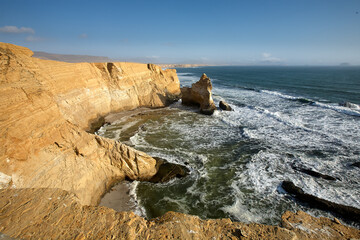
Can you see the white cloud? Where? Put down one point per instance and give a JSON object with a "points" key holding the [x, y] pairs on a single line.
{"points": [[268, 58], [14, 29], [33, 39]]}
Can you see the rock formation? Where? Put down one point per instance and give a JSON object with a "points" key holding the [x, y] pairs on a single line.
{"points": [[53, 172], [313, 173], [224, 106], [45, 108], [56, 214], [167, 171], [200, 95]]}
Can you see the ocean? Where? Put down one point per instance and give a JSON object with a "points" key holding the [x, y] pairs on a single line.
{"points": [[283, 117]]}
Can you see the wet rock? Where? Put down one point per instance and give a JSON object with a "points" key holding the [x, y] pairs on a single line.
{"points": [[346, 212], [356, 164], [224, 106], [167, 171], [313, 173], [199, 95], [348, 105]]}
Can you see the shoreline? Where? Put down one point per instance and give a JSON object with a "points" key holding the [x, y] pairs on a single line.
{"points": [[60, 171], [119, 198]]}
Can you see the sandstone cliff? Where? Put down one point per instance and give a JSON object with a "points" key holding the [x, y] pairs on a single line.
{"points": [[45, 108]]}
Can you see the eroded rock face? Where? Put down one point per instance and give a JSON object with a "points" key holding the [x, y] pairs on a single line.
{"points": [[57, 214], [200, 95], [46, 108]]}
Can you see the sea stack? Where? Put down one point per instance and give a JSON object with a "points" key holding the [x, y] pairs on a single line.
{"points": [[200, 95]]}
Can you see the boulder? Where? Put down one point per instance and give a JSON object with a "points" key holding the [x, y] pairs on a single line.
{"points": [[167, 171], [199, 95], [224, 106], [355, 164]]}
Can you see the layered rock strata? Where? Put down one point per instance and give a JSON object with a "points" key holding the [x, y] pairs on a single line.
{"points": [[200, 95], [46, 108]]}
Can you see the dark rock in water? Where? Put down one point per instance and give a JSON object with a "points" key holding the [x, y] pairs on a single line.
{"points": [[207, 111], [348, 105], [143, 127], [346, 212], [167, 171], [356, 164], [313, 173], [224, 106]]}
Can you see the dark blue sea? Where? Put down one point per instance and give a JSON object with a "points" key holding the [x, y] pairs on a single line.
{"points": [[308, 117]]}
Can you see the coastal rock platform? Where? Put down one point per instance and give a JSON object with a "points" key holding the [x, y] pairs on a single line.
{"points": [[56, 214]]}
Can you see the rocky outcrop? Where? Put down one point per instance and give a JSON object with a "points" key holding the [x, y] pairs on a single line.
{"points": [[57, 214], [167, 171], [307, 227], [200, 95], [46, 108], [346, 212], [224, 106]]}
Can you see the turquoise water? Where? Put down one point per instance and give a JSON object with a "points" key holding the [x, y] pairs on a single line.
{"points": [[282, 116]]}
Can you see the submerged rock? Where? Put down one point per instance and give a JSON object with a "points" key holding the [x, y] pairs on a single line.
{"points": [[224, 106], [313, 173], [346, 212], [348, 105], [355, 164], [167, 171], [199, 95]]}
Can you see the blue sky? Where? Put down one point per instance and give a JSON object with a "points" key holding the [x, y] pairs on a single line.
{"points": [[292, 32]]}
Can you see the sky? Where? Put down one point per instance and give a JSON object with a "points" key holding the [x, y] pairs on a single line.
{"points": [[229, 32]]}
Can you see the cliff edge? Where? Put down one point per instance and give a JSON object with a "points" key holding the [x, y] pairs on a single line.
{"points": [[47, 106]]}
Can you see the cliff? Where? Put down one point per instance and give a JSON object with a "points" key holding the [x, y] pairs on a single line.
{"points": [[53, 172], [46, 108]]}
